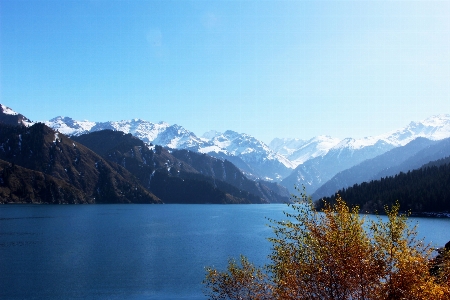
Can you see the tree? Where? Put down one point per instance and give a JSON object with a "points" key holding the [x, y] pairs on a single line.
{"points": [[404, 272], [335, 254], [238, 282]]}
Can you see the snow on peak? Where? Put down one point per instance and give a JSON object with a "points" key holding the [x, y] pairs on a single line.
{"points": [[441, 120], [433, 128], [69, 126], [298, 151], [286, 146], [211, 134], [355, 144], [7, 111], [315, 147], [243, 145], [13, 117], [289, 152]]}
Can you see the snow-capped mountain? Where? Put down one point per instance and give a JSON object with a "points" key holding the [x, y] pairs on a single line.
{"points": [[400, 159], [433, 128], [298, 151], [241, 144], [69, 126], [9, 116], [316, 160], [262, 161], [316, 171], [349, 152], [172, 136], [286, 146], [254, 157]]}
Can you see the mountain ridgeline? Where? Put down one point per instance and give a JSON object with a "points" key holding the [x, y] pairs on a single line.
{"points": [[40, 165], [139, 161], [290, 162], [48, 158], [181, 176], [401, 159], [421, 191]]}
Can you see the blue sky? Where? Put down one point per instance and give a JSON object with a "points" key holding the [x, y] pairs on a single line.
{"points": [[265, 68]]}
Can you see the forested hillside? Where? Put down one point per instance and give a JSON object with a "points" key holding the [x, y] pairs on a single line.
{"points": [[180, 176], [42, 166], [423, 190]]}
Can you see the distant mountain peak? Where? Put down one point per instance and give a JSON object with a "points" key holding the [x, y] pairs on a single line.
{"points": [[69, 126], [437, 120], [9, 116], [7, 111], [436, 127], [257, 159], [209, 135]]}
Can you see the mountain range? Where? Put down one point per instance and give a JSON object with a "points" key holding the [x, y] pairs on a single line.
{"points": [[291, 162], [412, 156], [322, 164], [423, 191], [41, 165]]}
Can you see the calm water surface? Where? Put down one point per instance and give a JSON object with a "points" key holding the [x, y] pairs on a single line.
{"points": [[134, 251]]}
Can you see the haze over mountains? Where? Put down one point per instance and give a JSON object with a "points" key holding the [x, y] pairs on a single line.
{"points": [[323, 164]]}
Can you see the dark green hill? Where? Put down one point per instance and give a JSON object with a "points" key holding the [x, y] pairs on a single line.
{"points": [[424, 190], [39, 148]]}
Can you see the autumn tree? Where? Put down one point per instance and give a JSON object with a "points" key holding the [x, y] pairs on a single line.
{"points": [[241, 281], [405, 261], [335, 254]]}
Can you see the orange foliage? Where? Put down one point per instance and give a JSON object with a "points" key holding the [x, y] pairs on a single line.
{"points": [[332, 254]]}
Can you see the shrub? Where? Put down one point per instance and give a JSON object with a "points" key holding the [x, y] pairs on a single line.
{"points": [[335, 253]]}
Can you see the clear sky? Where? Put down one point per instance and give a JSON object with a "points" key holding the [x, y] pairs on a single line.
{"points": [[265, 68]]}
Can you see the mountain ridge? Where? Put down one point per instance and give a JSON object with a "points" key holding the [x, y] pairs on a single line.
{"points": [[288, 161], [155, 166], [434, 128], [38, 152]]}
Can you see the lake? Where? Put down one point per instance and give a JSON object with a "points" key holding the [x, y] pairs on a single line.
{"points": [[135, 251]]}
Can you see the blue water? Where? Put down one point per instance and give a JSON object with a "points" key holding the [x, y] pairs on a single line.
{"points": [[134, 251]]}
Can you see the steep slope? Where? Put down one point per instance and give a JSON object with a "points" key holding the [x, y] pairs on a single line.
{"points": [[253, 157], [263, 162], [286, 146], [300, 151], [350, 152], [370, 168], [315, 172], [161, 171], [433, 128], [438, 163], [10, 117], [225, 171], [435, 151], [172, 136], [21, 185], [69, 126], [41, 149], [424, 190], [316, 160]]}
